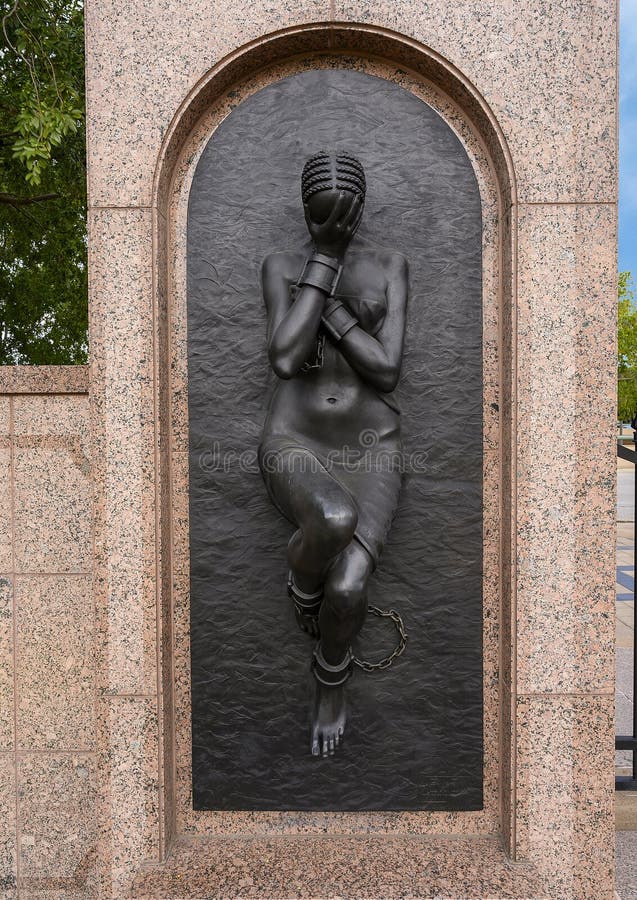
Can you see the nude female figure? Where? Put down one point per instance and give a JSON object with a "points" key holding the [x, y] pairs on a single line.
{"points": [[331, 440]]}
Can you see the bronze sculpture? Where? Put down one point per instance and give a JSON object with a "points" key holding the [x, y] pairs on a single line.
{"points": [[330, 449]]}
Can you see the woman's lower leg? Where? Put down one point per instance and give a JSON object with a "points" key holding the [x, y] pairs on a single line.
{"points": [[345, 602]]}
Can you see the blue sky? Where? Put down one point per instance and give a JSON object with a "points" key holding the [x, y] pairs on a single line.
{"points": [[628, 137]]}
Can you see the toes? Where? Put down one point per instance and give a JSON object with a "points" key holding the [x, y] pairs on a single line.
{"points": [[325, 745], [308, 626]]}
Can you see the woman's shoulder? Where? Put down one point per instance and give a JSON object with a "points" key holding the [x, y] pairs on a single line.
{"points": [[384, 258], [283, 263]]}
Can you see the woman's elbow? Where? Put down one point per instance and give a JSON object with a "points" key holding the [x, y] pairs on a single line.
{"points": [[282, 366], [386, 381]]}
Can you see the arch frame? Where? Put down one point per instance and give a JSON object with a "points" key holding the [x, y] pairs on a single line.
{"points": [[426, 73]]}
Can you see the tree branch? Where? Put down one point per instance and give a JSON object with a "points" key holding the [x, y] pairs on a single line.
{"points": [[26, 201]]}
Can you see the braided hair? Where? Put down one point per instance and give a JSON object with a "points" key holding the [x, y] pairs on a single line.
{"points": [[324, 171]]}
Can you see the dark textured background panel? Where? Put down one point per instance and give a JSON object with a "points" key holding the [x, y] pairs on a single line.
{"points": [[415, 736]]}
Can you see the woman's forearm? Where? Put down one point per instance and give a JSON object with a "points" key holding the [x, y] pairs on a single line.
{"points": [[294, 338], [367, 355]]}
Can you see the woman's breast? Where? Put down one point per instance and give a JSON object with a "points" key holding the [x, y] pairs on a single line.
{"points": [[369, 312]]}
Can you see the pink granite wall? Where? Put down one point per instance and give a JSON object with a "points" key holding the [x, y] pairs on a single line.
{"points": [[94, 691], [47, 686], [536, 83]]}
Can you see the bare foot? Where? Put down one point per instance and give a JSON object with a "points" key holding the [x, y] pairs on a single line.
{"points": [[329, 716]]}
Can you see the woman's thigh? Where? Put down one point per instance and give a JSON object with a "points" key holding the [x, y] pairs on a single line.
{"points": [[302, 488]]}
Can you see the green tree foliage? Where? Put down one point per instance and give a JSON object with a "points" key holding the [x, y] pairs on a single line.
{"points": [[43, 289], [626, 350]]}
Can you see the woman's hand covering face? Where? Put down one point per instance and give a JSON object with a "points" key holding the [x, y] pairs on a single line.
{"points": [[333, 235]]}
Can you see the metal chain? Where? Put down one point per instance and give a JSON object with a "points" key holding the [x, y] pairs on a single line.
{"points": [[320, 351], [385, 663], [318, 359]]}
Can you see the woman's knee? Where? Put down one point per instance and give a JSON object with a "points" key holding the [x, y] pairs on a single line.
{"points": [[332, 525], [340, 521]]}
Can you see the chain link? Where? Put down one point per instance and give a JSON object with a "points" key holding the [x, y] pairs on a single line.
{"points": [[399, 625], [318, 359]]}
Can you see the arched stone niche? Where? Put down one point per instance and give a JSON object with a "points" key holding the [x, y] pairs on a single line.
{"points": [[426, 75]]}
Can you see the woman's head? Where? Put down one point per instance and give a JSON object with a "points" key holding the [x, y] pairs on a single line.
{"points": [[325, 176]]}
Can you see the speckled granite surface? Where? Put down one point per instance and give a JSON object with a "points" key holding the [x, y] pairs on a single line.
{"points": [[565, 495], [334, 867], [8, 830], [547, 72], [56, 839], [123, 433], [43, 379], [47, 659], [565, 792]]}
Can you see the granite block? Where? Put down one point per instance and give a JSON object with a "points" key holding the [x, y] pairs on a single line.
{"points": [[551, 107], [125, 446], [180, 597], [8, 849], [338, 867], [132, 49], [178, 379], [5, 415], [567, 298], [164, 330], [128, 803], [167, 761], [52, 504], [180, 513], [6, 530], [7, 662], [52, 483], [547, 71], [55, 663], [39, 415], [57, 825], [43, 380], [565, 793]]}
